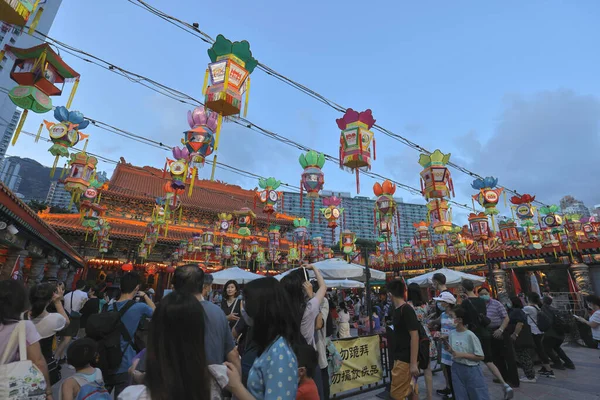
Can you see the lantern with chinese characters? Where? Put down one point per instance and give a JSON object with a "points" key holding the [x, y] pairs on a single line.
{"points": [[83, 167], [355, 141], [436, 182], [225, 222], [178, 169], [317, 245], [488, 195], [18, 13], [226, 254], [301, 229], [523, 208], [588, 229], [440, 215], [245, 219], [312, 178], [40, 73], [293, 255], [551, 218], [347, 242], [385, 207], [480, 227], [422, 233], [65, 133], [508, 233], [573, 226], [407, 250], [269, 195], [332, 211], [273, 241], [199, 140]]}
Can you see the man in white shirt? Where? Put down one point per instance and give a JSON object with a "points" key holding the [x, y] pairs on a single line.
{"points": [[74, 301]]}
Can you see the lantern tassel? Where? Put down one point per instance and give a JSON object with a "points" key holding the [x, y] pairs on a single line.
{"points": [[64, 169], [205, 84], [193, 179], [39, 132], [374, 150], [357, 182], [36, 19], [54, 166], [20, 126], [247, 96], [72, 95]]}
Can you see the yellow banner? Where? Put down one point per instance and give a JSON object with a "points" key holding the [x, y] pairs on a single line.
{"points": [[361, 363]]}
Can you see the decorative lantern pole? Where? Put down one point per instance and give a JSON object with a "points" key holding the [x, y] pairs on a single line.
{"points": [[480, 229], [312, 178], [385, 209], [488, 195], [269, 195]]}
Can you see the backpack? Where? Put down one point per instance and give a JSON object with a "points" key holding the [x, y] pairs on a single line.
{"points": [[107, 328], [91, 390], [424, 343], [544, 321], [334, 359], [477, 319], [560, 323], [20, 379]]}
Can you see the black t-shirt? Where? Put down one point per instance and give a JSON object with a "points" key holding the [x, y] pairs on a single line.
{"points": [[404, 321], [92, 306], [478, 308]]}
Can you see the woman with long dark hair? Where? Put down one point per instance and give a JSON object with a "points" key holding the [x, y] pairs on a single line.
{"points": [[47, 324], [231, 304], [275, 331], [175, 357], [343, 321], [13, 303], [522, 338]]}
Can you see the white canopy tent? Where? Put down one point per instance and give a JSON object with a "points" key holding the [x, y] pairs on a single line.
{"points": [[343, 283], [453, 278], [336, 268], [239, 275]]}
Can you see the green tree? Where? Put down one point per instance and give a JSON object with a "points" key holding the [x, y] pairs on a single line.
{"points": [[37, 206]]}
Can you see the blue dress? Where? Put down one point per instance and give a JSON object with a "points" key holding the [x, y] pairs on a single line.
{"points": [[274, 374]]}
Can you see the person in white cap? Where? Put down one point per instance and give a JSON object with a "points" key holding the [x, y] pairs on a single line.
{"points": [[445, 303]]}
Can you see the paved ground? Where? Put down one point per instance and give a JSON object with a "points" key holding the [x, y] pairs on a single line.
{"points": [[580, 384]]}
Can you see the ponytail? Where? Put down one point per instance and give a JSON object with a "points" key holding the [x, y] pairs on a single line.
{"points": [[13, 301]]}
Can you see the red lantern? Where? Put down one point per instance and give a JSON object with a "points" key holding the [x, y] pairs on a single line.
{"points": [[170, 269], [128, 267]]}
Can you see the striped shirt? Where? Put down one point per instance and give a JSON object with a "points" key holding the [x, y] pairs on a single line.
{"points": [[496, 313], [448, 326]]}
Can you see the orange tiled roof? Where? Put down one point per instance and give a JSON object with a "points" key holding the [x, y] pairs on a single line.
{"points": [[147, 183], [18, 210]]}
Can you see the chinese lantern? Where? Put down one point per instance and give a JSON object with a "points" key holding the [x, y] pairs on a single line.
{"points": [[347, 242], [317, 244], [440, 215], [332, 212], [18, 13], [508, 233], [385, 206], [480, 228], [488, 195], [269, 195], [128, 267], [422, 233], [245, 219], [355, 141], [200, 139], [551, 219], [301, 229], [83, 167], [40, 73], [312, 178], [273, 241], [229, 72], [407, 250], [525, 211], [436, 182], [207, 241], [65, 133]]}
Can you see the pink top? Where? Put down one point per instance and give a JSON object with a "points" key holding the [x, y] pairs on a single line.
{"points": [[31, 337]]}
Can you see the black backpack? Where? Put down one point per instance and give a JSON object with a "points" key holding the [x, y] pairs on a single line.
{"points": [[544, 321], [107, 328]]}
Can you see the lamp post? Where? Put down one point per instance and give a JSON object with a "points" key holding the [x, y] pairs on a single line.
{"points": [[364, 251]]}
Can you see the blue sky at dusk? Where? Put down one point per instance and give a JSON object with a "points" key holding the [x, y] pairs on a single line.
{"points": [[509, 88]]}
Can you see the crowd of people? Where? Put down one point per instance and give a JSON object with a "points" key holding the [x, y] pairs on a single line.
{"points": [[268, 340]]}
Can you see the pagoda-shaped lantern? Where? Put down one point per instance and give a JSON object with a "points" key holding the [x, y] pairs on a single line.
{"points": [[422, 230], [40, 73], [436, 182], [407, 250], [312, 180], [269, 195], [18, 12], [83, 167], [199, 140], [488, 196], [355, 141], [347, 242], [65, 133], [274, 236], [385, 207], [207, 241], [317, 245], [479, 226], [245, 219], [508, 233], [440, 215]]}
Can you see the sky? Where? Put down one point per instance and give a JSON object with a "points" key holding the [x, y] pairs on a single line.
{"points": [[510, 88]]}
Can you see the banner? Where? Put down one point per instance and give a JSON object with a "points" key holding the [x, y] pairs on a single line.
{"points": [[361, 363]]}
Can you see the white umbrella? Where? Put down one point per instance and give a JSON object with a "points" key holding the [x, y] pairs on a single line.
{"points": [[237, 274], [453, 278], [343, 283]]}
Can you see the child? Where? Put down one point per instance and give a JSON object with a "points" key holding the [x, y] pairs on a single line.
{"points": [[307, 362], [467, 379], [87, 381], [445, 303]]}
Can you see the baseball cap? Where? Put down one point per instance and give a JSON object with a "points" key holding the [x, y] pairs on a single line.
{"points": [[446, 297]]}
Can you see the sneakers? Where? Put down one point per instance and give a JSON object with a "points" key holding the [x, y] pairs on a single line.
{"points": [[508, 392], [546, 373], [444, 392], [527, 380]]}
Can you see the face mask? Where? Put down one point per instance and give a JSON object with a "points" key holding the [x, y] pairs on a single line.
{"points": [[485, 297], [441, 307], [248, 319]]}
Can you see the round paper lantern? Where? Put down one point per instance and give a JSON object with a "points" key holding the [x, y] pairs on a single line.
{"points": [[127, 267]]}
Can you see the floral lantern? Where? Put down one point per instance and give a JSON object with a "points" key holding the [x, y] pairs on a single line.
{"points": [[18, 13], [178, 169], [40, 73], [347, 242], [479, 225], [301, 229], [332, 211], [269, 196], [551, 219], [355, 141], [200, 139], [273, 241], [508, 233], [207, 241], [422, 233], [436, 182], [65, 133], [83, 168], [523, 208], [385, 206], [312, 178], [488, 195], [245, 219]]}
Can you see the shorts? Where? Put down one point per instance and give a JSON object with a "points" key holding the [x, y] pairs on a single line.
{"points": [[403, 383]]}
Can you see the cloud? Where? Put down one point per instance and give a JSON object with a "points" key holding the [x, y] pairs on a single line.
{"points": [[546, 144]]}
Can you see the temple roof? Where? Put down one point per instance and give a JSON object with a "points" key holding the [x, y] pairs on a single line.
{"points": [[16, 210], [146, 183]]}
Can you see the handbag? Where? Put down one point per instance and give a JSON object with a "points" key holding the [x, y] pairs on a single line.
{"points": [[74, 314], [20, 379]]}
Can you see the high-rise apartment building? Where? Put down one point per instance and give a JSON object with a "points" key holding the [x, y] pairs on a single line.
{"points": [[18, 37], [59, 197], [357, 216], [9, 174], [577, 207], [8, 132]]}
